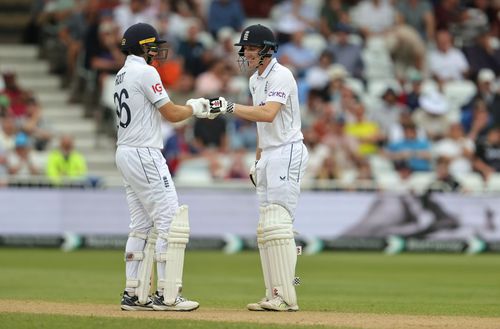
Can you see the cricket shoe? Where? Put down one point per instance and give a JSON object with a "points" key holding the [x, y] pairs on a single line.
{"points": [[278, 304], [256, 306], [131, 303], [180, 304]]}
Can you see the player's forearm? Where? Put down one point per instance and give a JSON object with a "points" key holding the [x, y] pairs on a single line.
{"points": [[176, 113], [254, 113]]}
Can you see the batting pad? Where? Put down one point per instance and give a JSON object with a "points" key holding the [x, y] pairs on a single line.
{"points": [[281, 251], [264, 258], [178, 237], [142, 283]]}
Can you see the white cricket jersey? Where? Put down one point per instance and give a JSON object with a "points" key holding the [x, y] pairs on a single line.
{"points": [[277, 84], [138, 93]]}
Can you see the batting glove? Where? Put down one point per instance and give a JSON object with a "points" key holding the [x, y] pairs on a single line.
{"points": [[252, 175], [219, 106], [200, 107]]}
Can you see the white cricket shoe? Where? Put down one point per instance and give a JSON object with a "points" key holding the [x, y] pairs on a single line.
{"points": [[278, 304], [180, 304], [256, 306]]}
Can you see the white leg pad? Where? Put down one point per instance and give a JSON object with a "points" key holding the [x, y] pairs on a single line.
{"points": [[178, 237], [264, 257], [142, 283], [282, 252]]}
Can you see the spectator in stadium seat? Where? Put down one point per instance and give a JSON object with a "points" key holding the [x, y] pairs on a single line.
{"points": [[328, 169], [18, 97], [448, 14], [406, 48], [66, 163], [295, 55], [396, 131], [482, 55], [132, 12], [107, 58], [345, 52], [343, 147], [411, 150], [387, 113], [487, 91], [367, 133], [216, 80], [411, 98], [224, 48], [237, 167], [332, 13], [21, 162], [8, 133], [340, 97], [292, 16], [4, 105], [177, 147], [480, 122], [419, 14], [211, 134], [224, 13], [192, 51], [444, 181], [4, 170], [456, 147], [487, 156], [447, 62], [259, 9], [35, 125], [374, 17], [317, 76], [432, 115]]}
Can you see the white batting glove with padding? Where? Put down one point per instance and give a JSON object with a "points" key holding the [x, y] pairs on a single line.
{"points": [[219, 106], [252, 175], [200, 107]]}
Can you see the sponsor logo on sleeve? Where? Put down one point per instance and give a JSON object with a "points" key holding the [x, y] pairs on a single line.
{"points": [[157, 88], [280, 94]]}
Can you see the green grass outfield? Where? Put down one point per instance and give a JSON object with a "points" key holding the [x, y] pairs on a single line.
{"points": [[407, 284]]}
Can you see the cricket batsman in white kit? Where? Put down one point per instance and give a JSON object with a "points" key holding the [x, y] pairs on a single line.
{"points": [[281, 159], [159, 227]]}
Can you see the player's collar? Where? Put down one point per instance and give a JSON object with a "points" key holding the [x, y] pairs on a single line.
{"points": [[136, 59], [268, 69]]}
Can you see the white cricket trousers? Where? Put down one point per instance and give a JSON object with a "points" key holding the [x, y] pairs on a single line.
{"points": [[279, 172], [151, 194]]}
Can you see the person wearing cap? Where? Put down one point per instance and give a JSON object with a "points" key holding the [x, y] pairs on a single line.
{"points": [[141, 101], [487, 93], [281, 160], [432, 115]]}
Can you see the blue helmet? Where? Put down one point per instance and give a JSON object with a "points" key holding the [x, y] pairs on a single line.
{"points": [[260, 36]]}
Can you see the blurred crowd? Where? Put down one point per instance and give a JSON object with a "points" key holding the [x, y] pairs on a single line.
{"points": [[388, 88]]}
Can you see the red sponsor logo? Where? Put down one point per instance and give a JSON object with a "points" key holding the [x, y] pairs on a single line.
{"points": [[157, 88]]}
